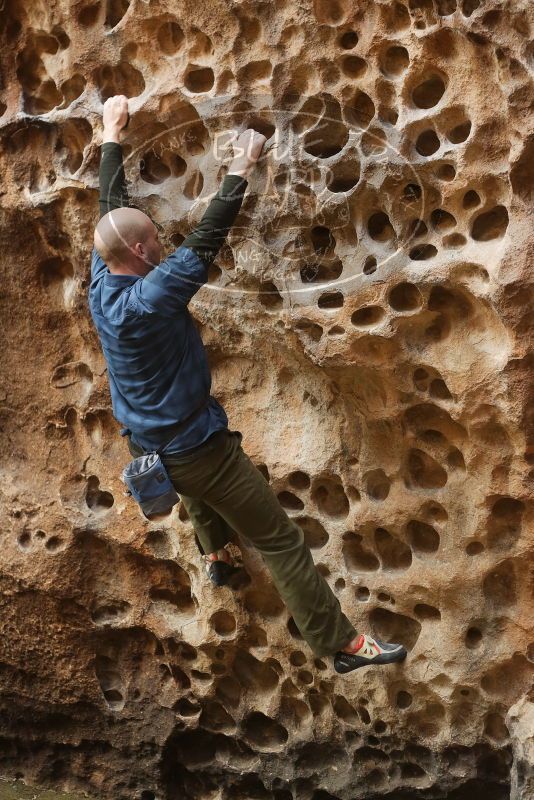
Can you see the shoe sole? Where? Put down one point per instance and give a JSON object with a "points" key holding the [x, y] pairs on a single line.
{"points": [[381, 660]]}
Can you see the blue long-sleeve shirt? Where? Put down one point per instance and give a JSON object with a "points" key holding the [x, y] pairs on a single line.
{"points": [[157, 366]]}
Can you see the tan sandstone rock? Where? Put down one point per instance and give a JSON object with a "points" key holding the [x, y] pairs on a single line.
{"points": [[369, 327]]}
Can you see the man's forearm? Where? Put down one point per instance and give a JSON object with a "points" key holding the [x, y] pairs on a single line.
{"points": [[113, 191], [210, 233]]}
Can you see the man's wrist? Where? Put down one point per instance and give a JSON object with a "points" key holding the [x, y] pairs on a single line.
{"points": [[111, 135], [242, 172]]}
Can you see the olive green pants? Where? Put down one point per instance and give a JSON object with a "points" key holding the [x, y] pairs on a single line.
{"points": [[224, 492]]}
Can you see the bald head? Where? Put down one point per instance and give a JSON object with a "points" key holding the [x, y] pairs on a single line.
{"points": [[127, 240]]}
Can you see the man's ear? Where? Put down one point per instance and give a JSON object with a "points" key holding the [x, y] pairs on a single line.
{"points": [[139, 250]]}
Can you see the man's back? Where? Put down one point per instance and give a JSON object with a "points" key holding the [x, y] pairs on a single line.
{"points": [[158, 371]]}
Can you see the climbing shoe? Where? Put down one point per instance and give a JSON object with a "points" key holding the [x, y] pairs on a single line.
{"points": [[222, 571], [368, 651]]}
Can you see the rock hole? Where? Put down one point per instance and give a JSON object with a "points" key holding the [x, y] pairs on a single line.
{"points": [[110, 682], [446, 7], [290, 501], [343, 176], [264, 733], [395, 61], [56, 276], [24, 540], [473, 638], [417, 228], [305, 677], [403, 699], [170, 37], [320, 273], [423, 252], [495, 728], [353, 66], [446, 172], [331, 300], [71, 373], [363, 594], [115, 10], [504, 525], [265, 603], [111, 613], [360, 111], [223, 623], [88, 16], [490, 225], [344, 711], [339, 585], [269, 297], [438, 390], [72, 88], [330, 12], [299, 480], [424, 471], [314, 533], [428, 93], [471, 199], [358, 558], [187, 708], [393, 553], [423, 537], [348, 40], [459, 133], [427, 143], [405, 297], [474, 548], [367, 316], [297, 658], [311, 329], [369, 266], [380, 228], [412, 192], [120, 79], [425, 612], [199, 79], [392, 627], [442, 220], [54, 544], [377, 484], [98, 501], [330, 498]]}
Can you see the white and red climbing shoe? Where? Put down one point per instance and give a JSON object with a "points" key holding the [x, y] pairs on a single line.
{"points": [[367, 651], [220, 567]]}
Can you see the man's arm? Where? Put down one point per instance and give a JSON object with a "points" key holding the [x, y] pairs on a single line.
{"points": [[209, 235], [178, 278], [113, 191]]}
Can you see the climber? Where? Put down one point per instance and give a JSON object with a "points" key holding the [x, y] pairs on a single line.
{"points": [[159, 377]]}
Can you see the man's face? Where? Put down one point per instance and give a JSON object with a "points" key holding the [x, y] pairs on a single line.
{"points": [[152, 248]]}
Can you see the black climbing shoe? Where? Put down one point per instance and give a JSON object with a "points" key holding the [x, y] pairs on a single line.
{"points": [[223, 571], [368, 651]]}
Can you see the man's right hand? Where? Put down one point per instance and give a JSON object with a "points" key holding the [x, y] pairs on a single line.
{"points": [[247, 150], [115, 117]]}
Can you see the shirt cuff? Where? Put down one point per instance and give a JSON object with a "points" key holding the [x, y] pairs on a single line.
{"points": [[233, 186]]}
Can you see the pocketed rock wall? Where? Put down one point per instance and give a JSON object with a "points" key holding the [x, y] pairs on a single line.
{"points": [[369, 327]]}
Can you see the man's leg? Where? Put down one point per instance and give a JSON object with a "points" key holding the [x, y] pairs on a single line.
{"points": [[238, 492], [211, 531]]}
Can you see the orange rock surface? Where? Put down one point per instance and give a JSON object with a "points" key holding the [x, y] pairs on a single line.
{"points": [[369, 327]]}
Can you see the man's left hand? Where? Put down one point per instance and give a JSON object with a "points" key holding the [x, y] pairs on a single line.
{"points": [[115, 117]]}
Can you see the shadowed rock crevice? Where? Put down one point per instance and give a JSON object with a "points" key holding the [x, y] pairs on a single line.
{"points": [[368, 327]]}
